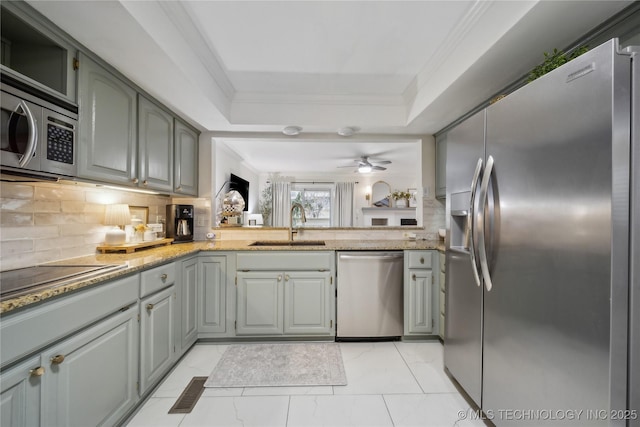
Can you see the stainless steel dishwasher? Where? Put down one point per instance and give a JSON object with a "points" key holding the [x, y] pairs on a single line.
{"points": [[369, 301]]}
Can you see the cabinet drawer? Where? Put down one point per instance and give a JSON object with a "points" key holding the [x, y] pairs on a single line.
{"points": [[419, 259], [41, 325], [157, 278]]}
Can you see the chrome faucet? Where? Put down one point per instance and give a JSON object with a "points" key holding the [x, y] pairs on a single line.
{"points": [[304, 218]]}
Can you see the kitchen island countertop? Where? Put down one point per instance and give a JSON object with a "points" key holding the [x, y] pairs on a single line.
{"points": [[144, 259]]}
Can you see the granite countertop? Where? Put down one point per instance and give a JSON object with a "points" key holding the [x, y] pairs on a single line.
{"points": [[144, 259]]}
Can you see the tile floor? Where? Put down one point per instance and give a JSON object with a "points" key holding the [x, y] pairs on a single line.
{"points": [[389, 384]]}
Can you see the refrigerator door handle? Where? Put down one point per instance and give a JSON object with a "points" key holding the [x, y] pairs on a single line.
{"points": [[470, 229], [482, 250]]}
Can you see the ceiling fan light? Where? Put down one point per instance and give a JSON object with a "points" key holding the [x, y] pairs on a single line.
{"points": [[364, 169], [292, 130]]}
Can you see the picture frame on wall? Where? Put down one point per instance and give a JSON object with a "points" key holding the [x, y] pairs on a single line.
{"points": [[413, 200], [140, 212]]}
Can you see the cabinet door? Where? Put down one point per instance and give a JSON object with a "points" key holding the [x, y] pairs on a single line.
{"points": [[155, 146], [212, 285], [188, 328], [259, 303], [107, 125], [441, 166], [307, 303], [20, 394], [90, 378], [420, 282], [186, 160], [157, 344]]}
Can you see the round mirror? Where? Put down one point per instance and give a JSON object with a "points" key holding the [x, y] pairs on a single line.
{"points": [[380, 192]]}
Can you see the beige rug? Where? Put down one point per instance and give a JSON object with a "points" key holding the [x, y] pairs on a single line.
{"points": [[279, 365]]}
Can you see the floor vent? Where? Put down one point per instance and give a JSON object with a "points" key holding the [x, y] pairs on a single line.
{"points": [[189, 397]]}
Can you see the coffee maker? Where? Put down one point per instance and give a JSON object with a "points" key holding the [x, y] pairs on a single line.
{"points": [[180, 223]]}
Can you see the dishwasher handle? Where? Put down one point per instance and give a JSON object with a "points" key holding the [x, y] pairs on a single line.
{"points": [[372, 256]]}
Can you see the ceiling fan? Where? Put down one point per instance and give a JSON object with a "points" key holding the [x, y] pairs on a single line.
{"points": [[365, 166]]}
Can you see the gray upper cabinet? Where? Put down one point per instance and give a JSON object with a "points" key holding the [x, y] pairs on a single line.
{"points": [[441, 166], [186, 160], [155, 146], [107, 125]]}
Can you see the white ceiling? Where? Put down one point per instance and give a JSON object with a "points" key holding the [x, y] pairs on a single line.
{"points": [[387, 67]]}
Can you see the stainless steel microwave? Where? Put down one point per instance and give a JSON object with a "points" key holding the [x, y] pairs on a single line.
{"points": [[36, 136]]}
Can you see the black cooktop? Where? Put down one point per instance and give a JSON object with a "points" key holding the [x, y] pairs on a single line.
{"points": [[24, 280]]}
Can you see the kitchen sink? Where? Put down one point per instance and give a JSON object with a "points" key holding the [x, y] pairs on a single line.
{"points": [[288, 243]]}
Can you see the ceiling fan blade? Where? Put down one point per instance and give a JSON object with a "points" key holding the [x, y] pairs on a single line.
{"points": [[382, 162], [378, 168]]}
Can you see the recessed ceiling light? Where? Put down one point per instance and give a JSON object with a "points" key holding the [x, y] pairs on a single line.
{"points": [[348, 130], [292, 130]]}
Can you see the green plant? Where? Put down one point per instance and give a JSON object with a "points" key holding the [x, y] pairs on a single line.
{"points": [[554, 60], [397, 195]]}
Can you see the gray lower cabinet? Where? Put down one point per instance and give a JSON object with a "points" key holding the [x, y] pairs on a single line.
{"points": [[52, 386], [421, 295], [212, 294], [20, 394], [307, 303], [186, 160], [157, 336], [188, 290], [260, 303], [155, 146], [91, 377], [107, 125], [290, 303]]}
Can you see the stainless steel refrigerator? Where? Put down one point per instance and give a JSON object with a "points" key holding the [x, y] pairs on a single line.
{"points": [[542, 219]]}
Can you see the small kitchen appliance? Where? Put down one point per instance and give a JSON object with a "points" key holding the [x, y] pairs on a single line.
{"points": [[180, 223]]}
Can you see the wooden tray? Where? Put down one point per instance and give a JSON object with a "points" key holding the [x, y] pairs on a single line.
{"points": [[132, 247]]}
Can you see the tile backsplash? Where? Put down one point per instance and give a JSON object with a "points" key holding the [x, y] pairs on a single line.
{"points": [[42, 222]]}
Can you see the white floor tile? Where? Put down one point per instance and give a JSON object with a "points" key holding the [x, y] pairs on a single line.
{"points": [[154, 414], [426, 362], [239, 411], [287, 391], [338, 411], [375, 368], [430, 410], [199, 362]]}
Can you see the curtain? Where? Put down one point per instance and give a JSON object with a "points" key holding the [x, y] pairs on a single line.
{"points": [[281, 203], [342, 206]]}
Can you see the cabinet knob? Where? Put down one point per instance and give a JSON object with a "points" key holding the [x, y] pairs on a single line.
{"points": [[286, 277], [37, 372], [135, 180], [149, 307], [179, 188], [57, 359], [145, 182], [279, 277], [421, 260], [413, 277], [163, 276]]}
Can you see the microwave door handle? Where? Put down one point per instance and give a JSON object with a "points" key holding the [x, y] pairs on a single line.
{"points": [[482, 250], [32, 144], [470, 229]]}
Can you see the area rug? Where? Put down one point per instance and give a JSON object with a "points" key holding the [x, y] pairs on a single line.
{"points": [[279, 365]]}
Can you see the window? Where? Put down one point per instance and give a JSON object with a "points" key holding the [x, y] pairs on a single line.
{"points": [[317, 205]]}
